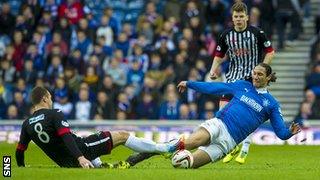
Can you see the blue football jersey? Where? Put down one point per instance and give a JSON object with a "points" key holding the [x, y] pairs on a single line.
{"points": [[248, 109]]}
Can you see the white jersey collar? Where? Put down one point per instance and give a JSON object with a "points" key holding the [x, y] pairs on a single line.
{"points": [[262, 90]]}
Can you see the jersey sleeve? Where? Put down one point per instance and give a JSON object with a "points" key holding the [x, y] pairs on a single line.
{"points": [[222, 47], [278, 124], [218, 88], [264, 42], [24, 139], [61, 125]]}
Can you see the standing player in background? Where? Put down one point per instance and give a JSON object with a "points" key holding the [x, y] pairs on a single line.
{"points": [[245, 46], [48, 129]]}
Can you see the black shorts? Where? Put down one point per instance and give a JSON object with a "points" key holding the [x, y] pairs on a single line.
{"points": [[96, 145]]}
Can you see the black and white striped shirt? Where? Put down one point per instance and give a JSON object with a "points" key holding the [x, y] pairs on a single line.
{"points": [[245, 50]]}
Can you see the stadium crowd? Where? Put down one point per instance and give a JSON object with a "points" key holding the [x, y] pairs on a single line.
{"points": [[310, 107], [121, 59]]}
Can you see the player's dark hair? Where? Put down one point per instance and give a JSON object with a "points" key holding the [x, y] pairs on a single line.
{"points": [[37, 94], [269, 72], [239, 7]]}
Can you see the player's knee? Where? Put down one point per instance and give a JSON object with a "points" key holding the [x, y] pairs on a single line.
{"points": [[123, 136]]}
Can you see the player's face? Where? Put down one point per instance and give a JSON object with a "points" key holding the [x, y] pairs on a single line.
{"points": [[239, 20], [259, 77]]}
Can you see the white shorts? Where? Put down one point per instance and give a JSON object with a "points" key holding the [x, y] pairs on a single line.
{"points": [[221, 142]]}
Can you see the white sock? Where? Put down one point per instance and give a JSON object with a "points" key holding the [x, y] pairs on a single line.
{"points": [[246, 144], [145, 145], [96, 162]]}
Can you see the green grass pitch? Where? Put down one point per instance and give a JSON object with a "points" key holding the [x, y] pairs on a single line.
{"points": [[264, 162]]}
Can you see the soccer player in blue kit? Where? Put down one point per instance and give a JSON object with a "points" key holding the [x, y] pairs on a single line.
{"points": [[250, 107]]}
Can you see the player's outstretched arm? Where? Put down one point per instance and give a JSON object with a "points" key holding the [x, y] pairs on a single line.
{"points": [[75, 152], [20, 158], [268, 57], [214, 68], [279, 126], [22, 146]]}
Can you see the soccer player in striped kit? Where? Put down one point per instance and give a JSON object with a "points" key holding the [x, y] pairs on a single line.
{"points": [[245, 46]]}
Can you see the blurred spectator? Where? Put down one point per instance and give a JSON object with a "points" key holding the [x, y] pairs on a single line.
{"points": [[21, 104], [286, 11], [184, 112], [55, 69], [169, 109], [52, 7], [209, 110], [47, 19], [89, 31], [19, 50], [113, 22], [91, 78], [7, 71], [33, 55], [72, 78], [191, 9], [266, 19], [61, 97], [71, 10], [314, 102], [84, 45], [304, 113], [64, 29], [58, 41], [28, 73], [135, 75], [95, 63], [147, 107], [111, 89], [122, 43], [3, 105], [254, 17], [141, 57], [23, 89], [121, 115], [181, 68], [77, 61], [12, 113], [116, 72], [7, 20], [317, 22], [124, 103], [193, 111], [104, 107], [83, 109], [313, 79], [105, 30], [152, 17], [172, 9], [215, 15]]}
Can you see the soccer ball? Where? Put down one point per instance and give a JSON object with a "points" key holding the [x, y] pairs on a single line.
{"points": [[182, 159]]}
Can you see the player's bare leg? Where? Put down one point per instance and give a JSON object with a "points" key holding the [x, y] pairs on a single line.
{"points": [[200, 158], [201, 137]]}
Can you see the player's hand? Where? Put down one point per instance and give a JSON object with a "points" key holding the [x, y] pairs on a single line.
{"points": [[213, 75], [295, 128], [84, 163], [182, 86]]}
